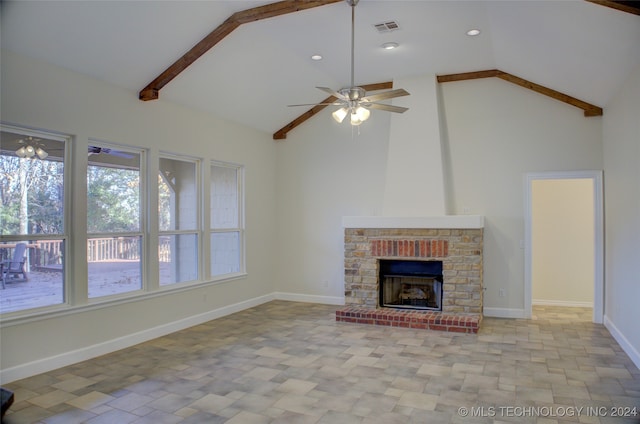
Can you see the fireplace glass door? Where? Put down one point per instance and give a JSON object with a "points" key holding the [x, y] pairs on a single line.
{"points": [[411, 284]]}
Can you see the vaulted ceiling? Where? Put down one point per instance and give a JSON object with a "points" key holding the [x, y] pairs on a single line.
{"points": [[577, 47]]}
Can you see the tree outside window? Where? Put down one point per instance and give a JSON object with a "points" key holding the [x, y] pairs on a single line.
{"points": [[114, 225], [32, 202]]}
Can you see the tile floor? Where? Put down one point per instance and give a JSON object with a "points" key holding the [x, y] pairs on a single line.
{"points": [[287, 362]]}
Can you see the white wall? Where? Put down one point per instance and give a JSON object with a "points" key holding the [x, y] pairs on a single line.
{"points": [[621, 130], [563, 239], [325, 172], [41, 96], [414, 183], [495, 133]]}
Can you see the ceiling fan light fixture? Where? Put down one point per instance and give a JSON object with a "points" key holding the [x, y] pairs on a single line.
{"points": [[359, 115], [363, 113], [41, 153], [28, 151], [340, 114]]}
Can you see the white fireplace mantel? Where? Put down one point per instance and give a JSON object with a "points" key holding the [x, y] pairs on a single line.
{"points": [[445, 221]]}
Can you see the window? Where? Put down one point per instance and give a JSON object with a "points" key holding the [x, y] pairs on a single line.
{"points": [[178, 204], [114, 223], [38, 235], [227, 220], [32, 223]]}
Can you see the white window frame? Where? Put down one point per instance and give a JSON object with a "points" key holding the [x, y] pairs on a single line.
{"points": [[76, 236], [196, 231], [142, 231], [66, 221], [241, 223]]}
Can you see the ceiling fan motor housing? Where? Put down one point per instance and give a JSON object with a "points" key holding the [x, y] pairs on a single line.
{"points": [[353, 93]]}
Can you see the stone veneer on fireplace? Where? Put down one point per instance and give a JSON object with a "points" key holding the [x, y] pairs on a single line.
{"points": [[456, 241]]}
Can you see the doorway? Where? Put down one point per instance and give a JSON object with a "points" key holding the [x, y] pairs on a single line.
{"points": [[575, 241]]}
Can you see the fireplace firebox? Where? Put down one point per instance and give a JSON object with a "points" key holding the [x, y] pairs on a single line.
{"points": [[408, 284]]}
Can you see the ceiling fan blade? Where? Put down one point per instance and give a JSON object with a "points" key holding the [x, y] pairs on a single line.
{"points": [[95, 150], [386, 95], [333, 93], [388, 108]]}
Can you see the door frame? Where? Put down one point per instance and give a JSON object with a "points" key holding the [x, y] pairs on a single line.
{"points": [[598, 213]]}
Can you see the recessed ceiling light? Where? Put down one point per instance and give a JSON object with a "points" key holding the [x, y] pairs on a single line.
{"points": [[389, 46], [316, 57], [473, 32]]}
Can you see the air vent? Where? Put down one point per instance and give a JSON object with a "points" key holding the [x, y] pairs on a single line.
{"points": [[387, 26]]}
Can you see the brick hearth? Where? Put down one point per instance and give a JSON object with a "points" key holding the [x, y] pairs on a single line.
{"points": [[425, 320], [459, 249]]}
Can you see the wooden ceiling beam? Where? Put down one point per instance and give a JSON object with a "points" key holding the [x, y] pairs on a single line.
{"points": [[468, 75], [281, 134], [277, 9], [152, 90], [588, 108], [625, 6]]}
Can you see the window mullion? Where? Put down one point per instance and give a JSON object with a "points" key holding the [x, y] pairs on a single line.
{"points": [[205, 240], [150, 218], [77, 272]]}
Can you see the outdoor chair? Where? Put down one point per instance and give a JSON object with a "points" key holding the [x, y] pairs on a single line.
{"points": [[16, 266]]}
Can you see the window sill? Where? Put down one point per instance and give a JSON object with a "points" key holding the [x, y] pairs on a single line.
{"points": [[56, 311]]}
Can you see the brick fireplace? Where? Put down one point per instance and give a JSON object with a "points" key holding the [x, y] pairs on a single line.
{"points": [[455, 241]]}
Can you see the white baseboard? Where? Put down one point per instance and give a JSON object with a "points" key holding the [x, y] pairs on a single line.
{"points": [[565, 303], [47, 364], [628, 348], [503, 313], [309, 298]]}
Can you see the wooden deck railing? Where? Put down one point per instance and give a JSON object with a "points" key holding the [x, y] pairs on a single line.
{"points": [[110, 249], [49, 252]]}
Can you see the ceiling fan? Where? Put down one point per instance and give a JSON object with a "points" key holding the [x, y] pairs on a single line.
{"points": [[353, 99], [31, 147]]}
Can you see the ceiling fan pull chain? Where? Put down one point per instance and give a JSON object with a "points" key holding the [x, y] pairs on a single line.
{"points": [[354, 128]]}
